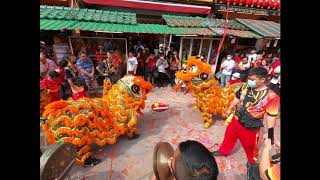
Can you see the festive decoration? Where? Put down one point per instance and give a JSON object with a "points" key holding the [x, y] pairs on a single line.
{"points": [[43, 97], [97, 121], [210, 99]]}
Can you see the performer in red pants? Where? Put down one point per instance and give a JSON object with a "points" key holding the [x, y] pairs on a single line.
{"points": [[254, 102]]}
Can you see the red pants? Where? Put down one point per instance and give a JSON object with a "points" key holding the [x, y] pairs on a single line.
{"points": [[248, 139]]}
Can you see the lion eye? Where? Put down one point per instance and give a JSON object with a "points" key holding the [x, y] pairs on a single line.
{"points": [[135, 89], [193, 68]]}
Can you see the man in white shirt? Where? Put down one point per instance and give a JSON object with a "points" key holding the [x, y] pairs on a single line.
{"points": [[60, 49], [243, 68], [274, 84], [132, 64], [252, 56], [227, 67]]}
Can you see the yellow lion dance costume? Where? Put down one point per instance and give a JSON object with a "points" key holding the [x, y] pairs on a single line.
{"points": [[97, 121], [210, 99]]}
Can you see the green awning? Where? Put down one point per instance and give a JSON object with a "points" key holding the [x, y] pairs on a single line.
{"points": [[237, 33], [59, 18], [267, 29], [46, 24], [87, 15]]}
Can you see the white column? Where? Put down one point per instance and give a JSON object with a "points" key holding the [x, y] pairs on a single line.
{"points": [[126, 49], [200, 47], [191, 44], [70, 44], [209, 53], [170, 38], [180, 50]]}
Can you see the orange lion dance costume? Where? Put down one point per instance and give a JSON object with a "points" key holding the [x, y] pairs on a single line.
{"points": [[210, 99], [97, 121]]}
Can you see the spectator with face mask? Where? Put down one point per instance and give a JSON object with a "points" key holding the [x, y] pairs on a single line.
{"points": [[162, 64], [75, 81], [192, 161], [227, 68], [252, 56], [243, 68]]}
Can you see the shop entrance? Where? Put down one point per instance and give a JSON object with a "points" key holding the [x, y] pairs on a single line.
{"points": [[197, 46]]}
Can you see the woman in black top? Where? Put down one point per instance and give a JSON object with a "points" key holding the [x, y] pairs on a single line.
{"points": [[73, 76]]}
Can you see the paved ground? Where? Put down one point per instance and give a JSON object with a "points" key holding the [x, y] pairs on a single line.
{"points": [[132, 160]]}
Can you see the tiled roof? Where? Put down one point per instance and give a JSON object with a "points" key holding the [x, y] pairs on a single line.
{"points": [[46, 24], [267, 29], [88, 15], [238, 33], [187, 21]]}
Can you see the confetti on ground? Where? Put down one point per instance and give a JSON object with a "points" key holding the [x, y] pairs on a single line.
{"points": [[132, 160]]}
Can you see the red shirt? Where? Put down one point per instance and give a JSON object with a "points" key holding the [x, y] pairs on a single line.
{"points": [[53, 89], [116, 61], [234, 81], [237, 59], [276, 64], [151, 63], [60, 78]]}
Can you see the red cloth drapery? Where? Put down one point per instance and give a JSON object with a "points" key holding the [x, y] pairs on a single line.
{"points": [[161, 6]]}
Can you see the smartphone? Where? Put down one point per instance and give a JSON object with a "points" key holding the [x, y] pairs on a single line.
{"points": [[271, 135]]}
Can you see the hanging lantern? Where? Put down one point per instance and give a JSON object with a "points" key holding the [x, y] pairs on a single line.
{"points": [[260, 3], [255, 3]]}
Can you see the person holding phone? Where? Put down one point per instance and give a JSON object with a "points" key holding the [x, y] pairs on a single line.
{"points": [[254, 102]]}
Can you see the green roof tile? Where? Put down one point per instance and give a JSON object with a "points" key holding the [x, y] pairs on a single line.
{"points": [[200, 22], [90, 15]]}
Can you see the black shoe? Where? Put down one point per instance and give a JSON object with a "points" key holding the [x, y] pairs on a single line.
{"points": [[217, 153], [90, 161], [135, 136]]}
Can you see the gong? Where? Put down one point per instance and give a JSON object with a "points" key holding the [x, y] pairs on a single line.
{"points": [[57, 160]]}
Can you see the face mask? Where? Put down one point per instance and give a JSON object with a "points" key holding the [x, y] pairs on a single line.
{"points": [[251, 83], [161, 57], [233, 78], [228, 58]]}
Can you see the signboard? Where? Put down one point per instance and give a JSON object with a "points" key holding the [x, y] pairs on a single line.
{"points": [[223, 7]]}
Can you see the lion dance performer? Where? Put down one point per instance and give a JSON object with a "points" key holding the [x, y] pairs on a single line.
{"points": [[210, 99], [97, 121]]}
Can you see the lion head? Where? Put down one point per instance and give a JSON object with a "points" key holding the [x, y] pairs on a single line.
{"points": [[196, 75]]}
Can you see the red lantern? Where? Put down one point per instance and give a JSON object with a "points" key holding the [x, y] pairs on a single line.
{"points": [[264, 4], [260, 2], [277, 4], [269, 3], [242, 2], [236, 2], [255, 3], [248, 3]]}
